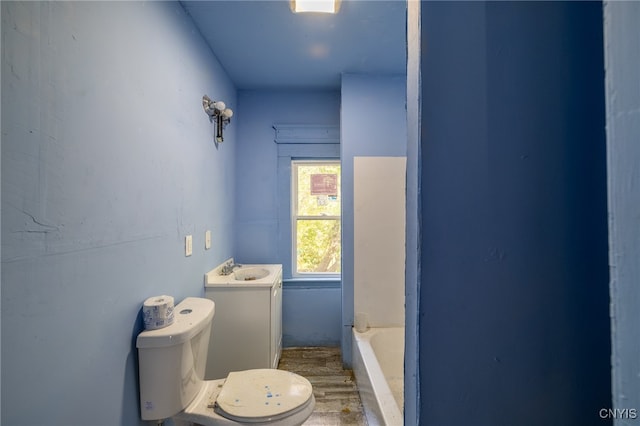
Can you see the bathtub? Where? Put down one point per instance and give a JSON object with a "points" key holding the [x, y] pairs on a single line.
{"points": [[378, 364]]}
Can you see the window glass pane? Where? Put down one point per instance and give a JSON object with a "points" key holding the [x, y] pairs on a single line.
{"points": [[318, 189], [318, 245]]}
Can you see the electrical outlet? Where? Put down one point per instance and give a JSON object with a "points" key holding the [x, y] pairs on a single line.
{"points": [[207, 240], [188, 245]]}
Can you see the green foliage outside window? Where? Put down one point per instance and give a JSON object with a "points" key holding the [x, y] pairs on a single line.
{"points": [[317, 221]]}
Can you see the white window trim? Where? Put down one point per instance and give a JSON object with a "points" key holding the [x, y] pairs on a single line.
{"points": [[294, 219]]}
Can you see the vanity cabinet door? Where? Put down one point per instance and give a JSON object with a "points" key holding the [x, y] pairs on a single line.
{"points": [[241, 330], [276, 322]]}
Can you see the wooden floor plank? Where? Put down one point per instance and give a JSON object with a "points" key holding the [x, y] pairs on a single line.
{"points": [[337, 399]]}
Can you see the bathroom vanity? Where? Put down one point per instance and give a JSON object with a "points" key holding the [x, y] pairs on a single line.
{"points": [[247, 322]]}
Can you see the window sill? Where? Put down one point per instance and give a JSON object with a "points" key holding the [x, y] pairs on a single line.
{"points": [[312, 282]]}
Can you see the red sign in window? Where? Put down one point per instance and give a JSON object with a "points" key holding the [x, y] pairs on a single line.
{"points": [[324, 184]]}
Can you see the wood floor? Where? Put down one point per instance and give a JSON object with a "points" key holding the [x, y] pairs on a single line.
{"points": [[337, 399]]}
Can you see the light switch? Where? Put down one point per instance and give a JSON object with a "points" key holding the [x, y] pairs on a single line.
{"points": [[188, 245], [207, 240]]}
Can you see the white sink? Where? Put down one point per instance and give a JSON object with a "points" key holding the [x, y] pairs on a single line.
{"points": [[247, 275], [250, 274]]}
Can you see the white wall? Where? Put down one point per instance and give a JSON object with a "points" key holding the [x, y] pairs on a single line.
{"points": [[379, 239]]}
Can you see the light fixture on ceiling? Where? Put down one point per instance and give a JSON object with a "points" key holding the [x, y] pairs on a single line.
{"points": [[217, 111], [322, 6]]}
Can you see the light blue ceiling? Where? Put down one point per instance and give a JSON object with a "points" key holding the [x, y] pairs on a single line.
{"points": [[263, 45]]}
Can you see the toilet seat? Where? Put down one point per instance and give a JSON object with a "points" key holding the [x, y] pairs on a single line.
{"points": [[242, 398], [260, 395]]}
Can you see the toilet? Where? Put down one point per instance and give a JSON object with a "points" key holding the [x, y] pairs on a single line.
{"points": [[172, 361]]}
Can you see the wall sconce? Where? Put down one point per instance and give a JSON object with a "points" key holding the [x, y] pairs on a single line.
{"points": [[218, 111]]}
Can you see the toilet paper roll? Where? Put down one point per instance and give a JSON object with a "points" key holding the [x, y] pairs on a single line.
{"points": [[158, 312]]}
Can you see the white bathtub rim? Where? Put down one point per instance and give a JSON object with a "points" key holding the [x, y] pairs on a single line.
{"points": [[386, 409]]}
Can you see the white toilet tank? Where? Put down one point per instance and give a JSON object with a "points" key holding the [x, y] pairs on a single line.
{"points": [[165, 390]]}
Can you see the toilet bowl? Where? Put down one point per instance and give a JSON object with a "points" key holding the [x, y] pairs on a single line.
{"points": [[171, 365]]}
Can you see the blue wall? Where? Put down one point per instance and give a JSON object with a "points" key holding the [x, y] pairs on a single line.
{"points": [[108, 162], [514, 321], [313, 313], [622, 41], [257, 159], [374, 123], [311, 310], [413, 229]]}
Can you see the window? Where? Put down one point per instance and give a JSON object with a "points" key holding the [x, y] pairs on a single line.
{"points": [[315, 217]]}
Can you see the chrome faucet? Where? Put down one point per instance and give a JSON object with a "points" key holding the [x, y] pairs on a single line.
{"points": [[228, 267]]}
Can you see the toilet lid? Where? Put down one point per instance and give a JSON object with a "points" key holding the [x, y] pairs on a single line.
{"points": [[262, 394]]}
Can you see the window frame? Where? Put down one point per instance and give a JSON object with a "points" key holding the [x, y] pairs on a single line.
{"points": [[295, 162], [301, 141]]}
